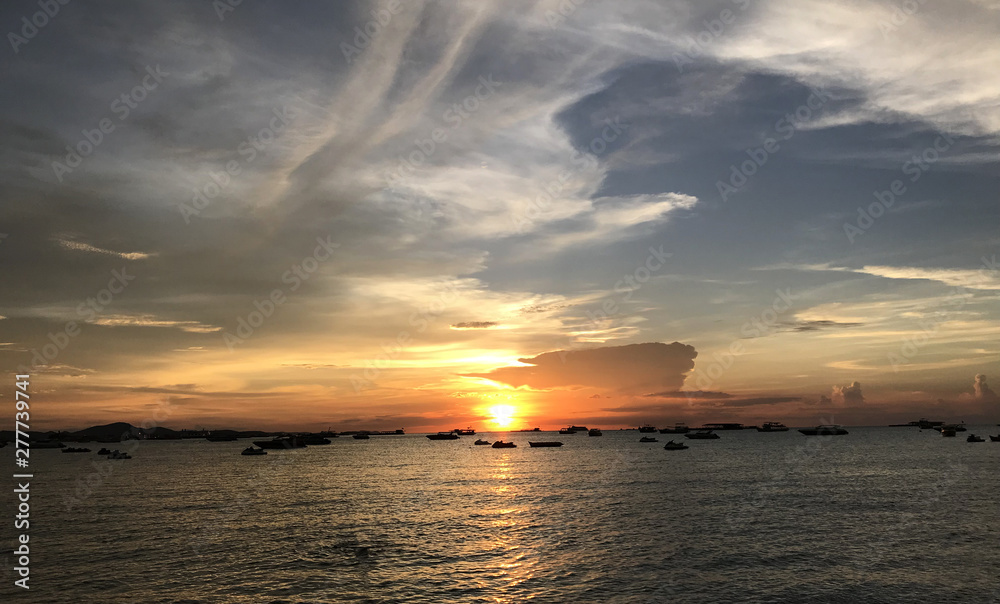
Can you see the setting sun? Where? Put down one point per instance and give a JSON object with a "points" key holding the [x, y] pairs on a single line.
{"points": [[502, 415]]}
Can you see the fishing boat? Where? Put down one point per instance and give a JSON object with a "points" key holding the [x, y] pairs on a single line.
{"points": [[773, 427], [672, 446], [443, 436], [647, 439], [252, 451], [702, 435], [975, 439], [480, 441], [595, 432], [502, 445], [824, 430], [544, 443], [679, 428], [647, 429]]}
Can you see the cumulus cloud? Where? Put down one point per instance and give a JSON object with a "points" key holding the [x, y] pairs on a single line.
{"points": [[982, 390], [632, 368], [848, 395]]}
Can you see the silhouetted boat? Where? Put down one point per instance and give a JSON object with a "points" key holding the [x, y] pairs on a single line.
{"points": [[595, 432], [679, 428], [647, 429], [647, 439], [104, 451], [672, 446], [361, 436], [773, 427], [544, 443], [75, 450], [252, 451], [975, 439], [502, 445], [723, 426], [702, 435], [315, 439], [995, 439], [467, 432], [281, 442], [947, 432], [567, 431], [480, 441], [824, 430], [443, 436], [116, 454], [959, 427], [531, 430]]}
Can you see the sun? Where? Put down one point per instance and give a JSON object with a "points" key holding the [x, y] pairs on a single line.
{"points": [[502, 415]]}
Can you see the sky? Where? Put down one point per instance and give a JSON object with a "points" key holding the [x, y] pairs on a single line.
{"points": [[374, 215]]}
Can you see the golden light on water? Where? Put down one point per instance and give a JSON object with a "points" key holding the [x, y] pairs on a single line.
{"points": [[502, 416]]}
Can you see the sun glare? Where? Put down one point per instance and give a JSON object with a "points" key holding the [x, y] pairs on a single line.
{"points": [[502, 415]]}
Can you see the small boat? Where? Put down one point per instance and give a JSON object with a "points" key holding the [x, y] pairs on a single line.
{"points": [[672, 446], [544, 443], [647, 429], [443, 436], [251, 451], [281, 442], [975, 439], [467, 432], [824, 430], [361, 436], [567, 431], [315, 439], [959, 427], [648, 439], [595, 432], [702, 435], [773, 427], [502, 445], [530, 430], [75, 450], [104, 451], [995, 439], [679, 428], [116, 454], [480, 441], [947, 432]]}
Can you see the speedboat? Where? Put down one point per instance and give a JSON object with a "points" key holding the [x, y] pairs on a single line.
{"points": [[480, 441], [544, 443], [773, 427], [672, 446], [995, 439], [252, 451], [647, 439], [824, 430], [647, 429], [679, 428], [443, 436], [975, 439], [595, 432], [502, 445], [702, 435]]}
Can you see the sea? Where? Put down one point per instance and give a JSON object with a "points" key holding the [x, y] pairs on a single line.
{"points": [[878, 515]]}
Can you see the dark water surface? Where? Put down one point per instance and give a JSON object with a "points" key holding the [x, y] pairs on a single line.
{"points": [[879, 515]]}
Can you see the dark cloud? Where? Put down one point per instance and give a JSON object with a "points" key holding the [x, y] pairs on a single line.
{"points": [[632, 368], [690, 394], [982, 390], [848, 395], [475, 325], [818, 325], [755, 401]]}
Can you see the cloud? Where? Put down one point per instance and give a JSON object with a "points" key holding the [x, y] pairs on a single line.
{"points": [[475, 325], [632, 368], [690, 394], [982, 390], [86, 247], [822, 324], [848, 395]]}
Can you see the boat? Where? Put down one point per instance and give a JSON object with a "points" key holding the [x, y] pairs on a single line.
{"points": [[947, 432], [648, 439], [116, 454], [480, 441], [104, 451], [702, 435], [647, 429], [252, 451], [530, 430], [773, 427], [281, 442], [315, 439], [959, 427], [995, 439], [467, 432], [975, 439], [672, 446], [225, 438], [824, 430], [502, 445], [361, 436], [679, 428], [723, 426], [595, 432], [443, 436], [544, 443], [76, 450], [567, 431]]}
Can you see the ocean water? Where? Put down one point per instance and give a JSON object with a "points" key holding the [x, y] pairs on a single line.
{"points": [[879, 515]]}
